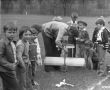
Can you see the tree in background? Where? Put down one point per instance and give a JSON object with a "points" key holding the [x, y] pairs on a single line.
{"points": [[40, 2], [65, 3], [100, 4], [55, 7], [82, 7], [6, 5]]}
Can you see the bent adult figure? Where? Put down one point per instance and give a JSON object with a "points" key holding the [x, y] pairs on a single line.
{"points": [[53, 33]]}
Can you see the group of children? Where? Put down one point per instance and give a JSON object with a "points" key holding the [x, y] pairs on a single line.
{"points": [[18, 59], [94, 51]]}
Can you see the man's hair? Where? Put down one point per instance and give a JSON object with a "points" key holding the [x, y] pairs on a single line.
{"points": [[100, 21], [9, 26], [57, 18], [37, 28], [23, 30]]}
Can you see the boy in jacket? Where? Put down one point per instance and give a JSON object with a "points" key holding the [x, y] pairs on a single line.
{"points": [[8, 59], [83, 36], [101, 41]]}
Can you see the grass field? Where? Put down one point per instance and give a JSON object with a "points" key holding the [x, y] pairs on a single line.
{"points": [[79, 76]]}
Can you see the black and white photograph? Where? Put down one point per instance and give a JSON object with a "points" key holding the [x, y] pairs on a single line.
{"points": [[54, 44]]}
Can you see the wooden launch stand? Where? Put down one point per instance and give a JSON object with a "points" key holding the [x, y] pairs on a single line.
{"points": [[64, 60]]}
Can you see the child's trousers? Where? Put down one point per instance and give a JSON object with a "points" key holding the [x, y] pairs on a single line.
{"points": [[101, 58]]}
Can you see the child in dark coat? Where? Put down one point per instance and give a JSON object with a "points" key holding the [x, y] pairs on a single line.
{"points": [[83, 36], [101, 45]]}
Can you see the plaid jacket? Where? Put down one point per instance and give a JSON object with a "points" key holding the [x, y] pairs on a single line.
{"points": [[32, 52]]}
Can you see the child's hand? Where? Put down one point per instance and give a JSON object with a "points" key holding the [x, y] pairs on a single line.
{"points": [[39, 62], [29, 62], [39, 59], [12, 66], [92, 49], [77, 39], [38, 56], [82, 40]]}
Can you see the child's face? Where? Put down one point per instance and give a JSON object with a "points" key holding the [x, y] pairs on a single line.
{"points": [[81, 26], [36, 31], [27, 35], [10, 34], [99, 26]]}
